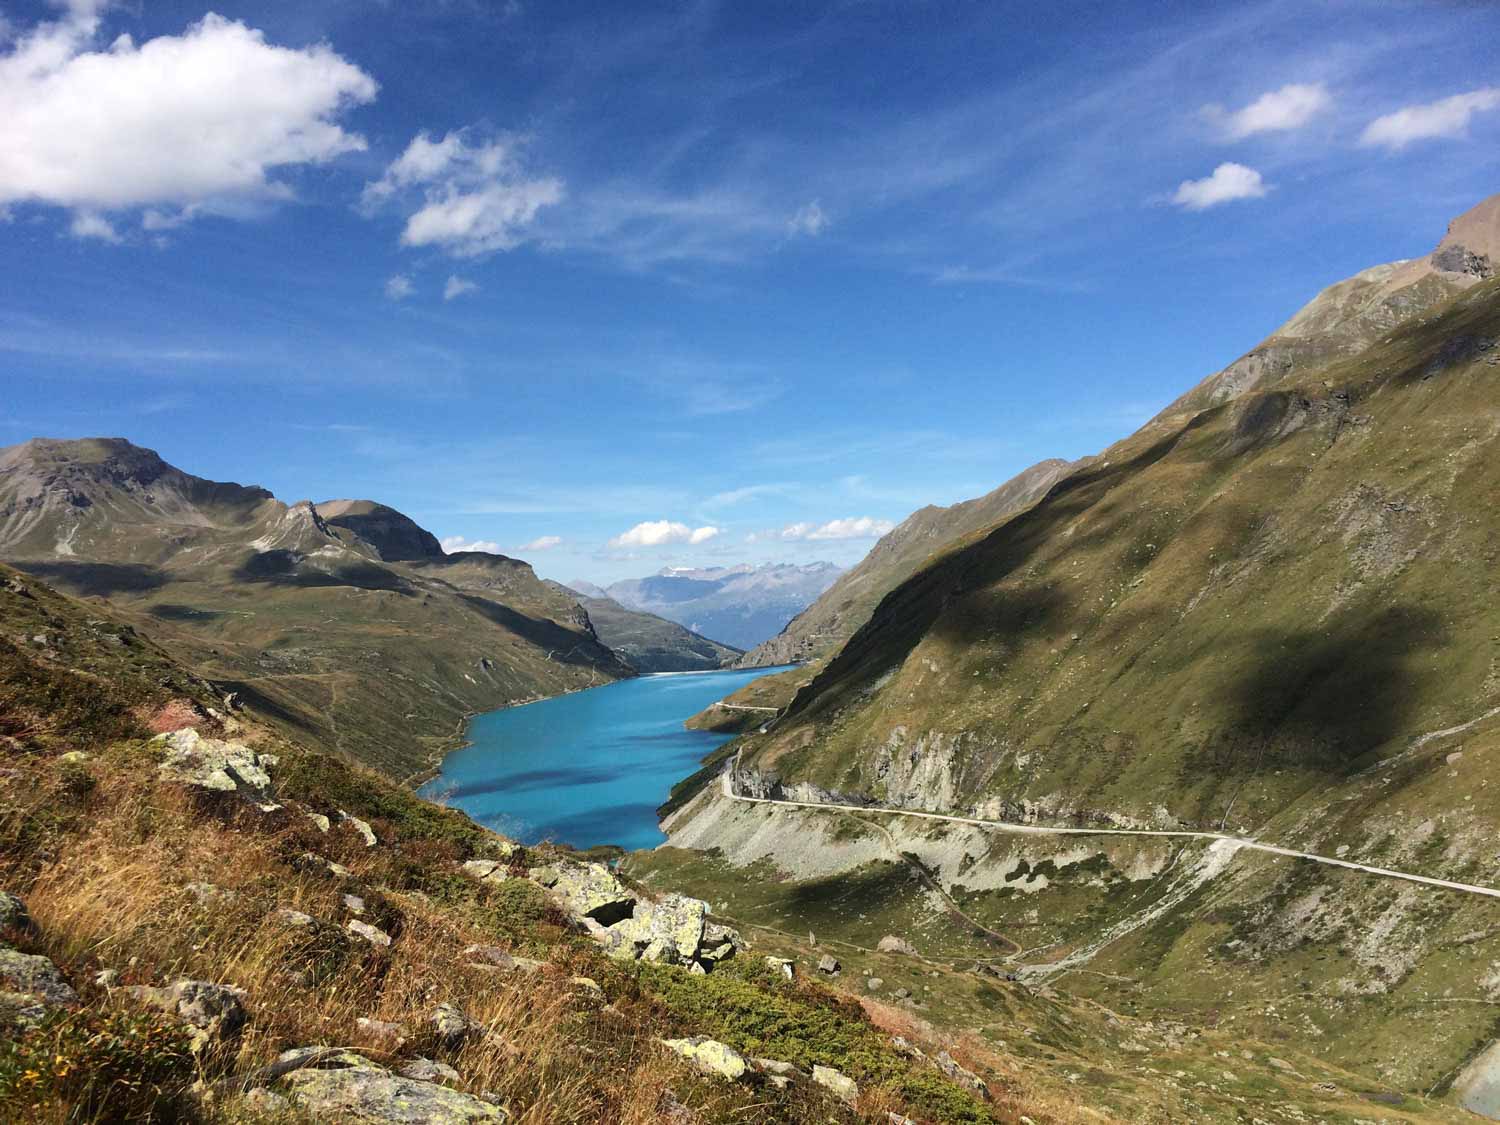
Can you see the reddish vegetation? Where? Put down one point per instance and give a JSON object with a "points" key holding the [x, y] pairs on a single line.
{"points": [[176, 715]]}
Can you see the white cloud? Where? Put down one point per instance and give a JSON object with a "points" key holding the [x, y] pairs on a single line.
{"points": [[204, 119], [542, 543], [399, 288], [475, 196], [809, 220], [1229, 182], [455, 544], [1448, 117], [1290, 107], [457, 287], [855, 527], [656, 533], [91, 224]]}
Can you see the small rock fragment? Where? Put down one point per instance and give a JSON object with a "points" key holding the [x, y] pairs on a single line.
{"points": [[370, 933], [840, 1083]]}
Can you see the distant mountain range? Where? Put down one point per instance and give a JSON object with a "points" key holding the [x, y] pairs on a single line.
{"points": [[344, 621], [739, 606], [650, 643]]}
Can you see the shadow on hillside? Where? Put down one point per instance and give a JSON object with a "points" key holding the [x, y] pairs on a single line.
{"points": [[88, 579], [562, 645], [169, 611], [262, 704], [1326, 700], [909, 612], [284, 568]]}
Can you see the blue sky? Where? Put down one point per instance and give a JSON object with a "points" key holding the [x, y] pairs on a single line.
{"points": [[612, 286]]}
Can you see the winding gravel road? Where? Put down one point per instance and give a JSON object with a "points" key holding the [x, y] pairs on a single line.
{"points": [[1236, 842]]}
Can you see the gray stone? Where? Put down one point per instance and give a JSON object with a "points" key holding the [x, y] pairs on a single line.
{"points": [[451, 1024], [828, 964], [36, 977], [311, 863], [214, 1012], [381, 1031], [783, 965], [1478, 1084], [874, 984], [349, 1087], [13, 914], [776, 1066], [371, 934], [354, 904], [494, 957], [487, 870], [892, 944], [320, 822], [294, 919], [840, 1083]]}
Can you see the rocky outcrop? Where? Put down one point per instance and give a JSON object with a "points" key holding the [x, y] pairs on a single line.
{"points": [[673, 928], [349, 1087], [893, 944], [217, 766], [30, 987]]}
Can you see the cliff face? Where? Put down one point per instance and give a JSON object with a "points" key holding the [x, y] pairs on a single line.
{"points": [[344, 620]]}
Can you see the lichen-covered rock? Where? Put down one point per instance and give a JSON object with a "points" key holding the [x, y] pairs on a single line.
{"points": [[893, 944], [214, 1012], [829, 965], [320, 822], [840, 1083], [669, 930], [218, 766], [349, 1087], [710, 1056], [963, 1076], [366, 833], [487, 870], [31, 986], [590, 890]]}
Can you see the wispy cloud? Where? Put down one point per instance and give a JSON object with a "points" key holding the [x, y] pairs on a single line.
{"points": [[399, 287], [1290, 107], [1445, 118], [542, 543], [457, 286]]}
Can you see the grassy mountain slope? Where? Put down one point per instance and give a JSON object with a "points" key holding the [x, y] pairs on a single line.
{"points": [[651, 643], [1272, 612], [378, 647], [824, 626]]}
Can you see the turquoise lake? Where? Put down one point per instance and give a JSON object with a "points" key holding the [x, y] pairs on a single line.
{"points": [[587, 768]]}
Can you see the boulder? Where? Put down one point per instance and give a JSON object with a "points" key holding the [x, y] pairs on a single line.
{"points": [[217, 766], [710, 1056], [320, 822], [451, 1025], [829, 965], [487, 870], [874, 984], [30, 987], [670, 929], [13, 915], [892, 944], [214, 1012], [783, 965], [366, 833], [961, 1075], [590, 890], [844, 1087], [354, 904], [349, 1087]]}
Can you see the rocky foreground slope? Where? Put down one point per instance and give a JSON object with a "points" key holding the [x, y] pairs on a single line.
{"points": [[203, 921], [1270, 612], [344, 622]]}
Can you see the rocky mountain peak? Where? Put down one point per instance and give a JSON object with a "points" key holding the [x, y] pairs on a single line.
{"points": [[397, 537]]}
